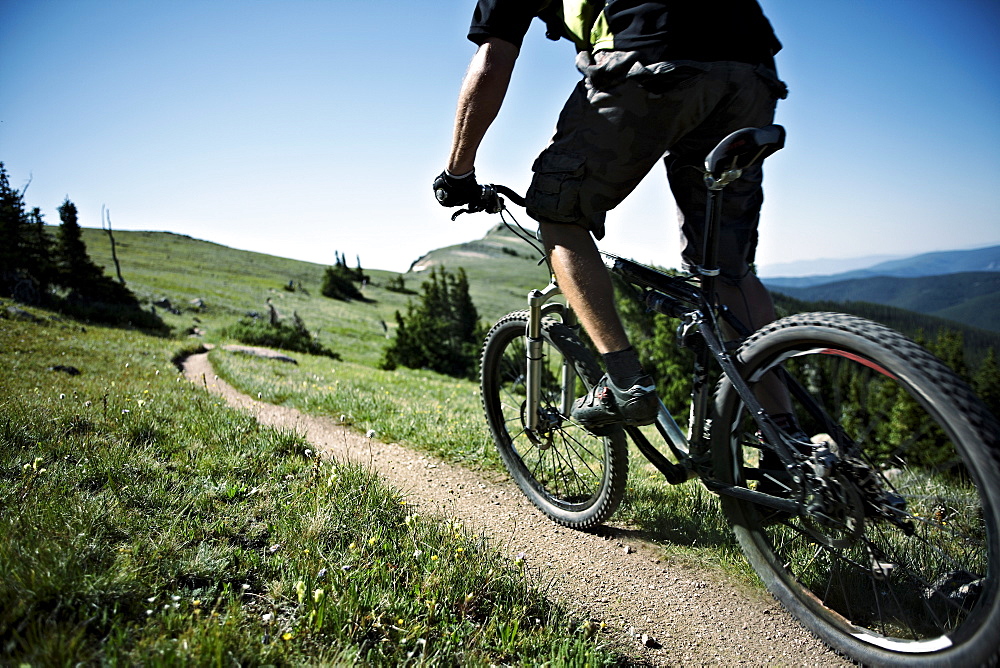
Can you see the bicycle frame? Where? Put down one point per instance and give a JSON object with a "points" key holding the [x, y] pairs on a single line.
{"points": [[677, 298], [695, 306]]}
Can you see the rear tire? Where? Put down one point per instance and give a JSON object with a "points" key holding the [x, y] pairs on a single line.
{"points": [[918, 586], [574, 477]]}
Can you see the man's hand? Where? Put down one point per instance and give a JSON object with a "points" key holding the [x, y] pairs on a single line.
{"points": [[457, 190]]}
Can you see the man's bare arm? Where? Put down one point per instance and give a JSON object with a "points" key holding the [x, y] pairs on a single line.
{"points": [[479, 100]]}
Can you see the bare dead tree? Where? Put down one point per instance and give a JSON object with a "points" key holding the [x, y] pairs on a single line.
{"points": [[114, 255], [272, 313]]}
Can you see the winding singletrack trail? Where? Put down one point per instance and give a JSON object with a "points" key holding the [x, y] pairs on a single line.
{"points": [[655, 613]]}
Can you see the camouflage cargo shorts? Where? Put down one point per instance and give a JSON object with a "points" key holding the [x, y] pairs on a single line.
{"points": [[625, 115]]}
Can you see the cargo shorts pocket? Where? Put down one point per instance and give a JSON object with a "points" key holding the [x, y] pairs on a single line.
{"points": [[667, 77], [554, 194]]}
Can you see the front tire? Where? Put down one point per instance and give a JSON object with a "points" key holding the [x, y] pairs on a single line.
{"points": [[574, 477], [915, 584]]}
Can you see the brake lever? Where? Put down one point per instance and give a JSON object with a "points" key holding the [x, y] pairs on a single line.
{"points": [[461, 211]]}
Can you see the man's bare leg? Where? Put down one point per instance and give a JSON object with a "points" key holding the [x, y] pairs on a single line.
{"points": [[585, 282], [627, 394]]}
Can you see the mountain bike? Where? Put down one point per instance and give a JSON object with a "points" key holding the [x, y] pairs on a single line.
{"points": [[880, 532]]}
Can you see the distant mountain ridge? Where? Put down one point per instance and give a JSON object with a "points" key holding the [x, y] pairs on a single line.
{"points": [[963, 286], [822, 266], [927, 264]]}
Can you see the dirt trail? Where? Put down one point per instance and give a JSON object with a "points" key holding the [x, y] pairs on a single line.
{"points": [[657, 613]]}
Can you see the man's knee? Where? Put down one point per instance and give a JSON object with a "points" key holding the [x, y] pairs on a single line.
{"points": [[568, 235]]}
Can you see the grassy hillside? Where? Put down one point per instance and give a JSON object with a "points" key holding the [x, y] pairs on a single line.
{"points": [[232, 282], [501, 268]]}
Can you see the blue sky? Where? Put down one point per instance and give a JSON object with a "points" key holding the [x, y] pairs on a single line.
{"points": [[300, 128]]}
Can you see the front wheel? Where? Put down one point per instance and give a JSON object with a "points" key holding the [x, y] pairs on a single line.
{"points": [[574, 477], [895, 557]]}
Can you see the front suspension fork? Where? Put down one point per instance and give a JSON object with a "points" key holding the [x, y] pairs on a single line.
{"points": [[537, 300]]}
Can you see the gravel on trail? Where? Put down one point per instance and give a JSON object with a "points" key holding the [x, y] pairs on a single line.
{"points": [[653, 612]]}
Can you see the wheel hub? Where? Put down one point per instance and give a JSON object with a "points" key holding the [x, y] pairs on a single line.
{"points": [[549, 420]]}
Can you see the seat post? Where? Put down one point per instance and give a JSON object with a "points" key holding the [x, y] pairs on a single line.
{"points": [[709, 268]]}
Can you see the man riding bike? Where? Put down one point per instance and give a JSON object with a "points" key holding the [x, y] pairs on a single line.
{"points": [[661, 80]]}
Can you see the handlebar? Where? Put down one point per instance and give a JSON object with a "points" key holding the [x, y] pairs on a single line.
{"points": [[490, 200]]}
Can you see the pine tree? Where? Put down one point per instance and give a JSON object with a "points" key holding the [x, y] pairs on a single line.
{"points": [[949, 348], [76, 272], [73, 264], [12, 226], [338, 280], [398, 284], [987, 382], [38, 250], [359, 273], [442, 332], [25, 249], [337, 284]]}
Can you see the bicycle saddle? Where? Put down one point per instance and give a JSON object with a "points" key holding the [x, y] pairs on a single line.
{"points": [[743, 148]]}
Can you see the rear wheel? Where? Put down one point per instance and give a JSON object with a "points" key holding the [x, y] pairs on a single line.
{"points": [[895, 559], [574, 477]]}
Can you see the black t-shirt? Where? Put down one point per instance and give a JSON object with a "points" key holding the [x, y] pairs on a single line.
{"points": [[506, 19], [667, 29]]}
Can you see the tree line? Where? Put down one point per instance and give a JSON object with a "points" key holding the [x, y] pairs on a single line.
{"points": [[57, 273]]}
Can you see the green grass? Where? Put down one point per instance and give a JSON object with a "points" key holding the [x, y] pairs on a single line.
{"points": [[421, 409], [439, 414], [146, 523], [444, 416]]}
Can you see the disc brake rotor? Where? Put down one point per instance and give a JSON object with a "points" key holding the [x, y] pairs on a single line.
{"points": [[835, 514], [549, 421]]}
